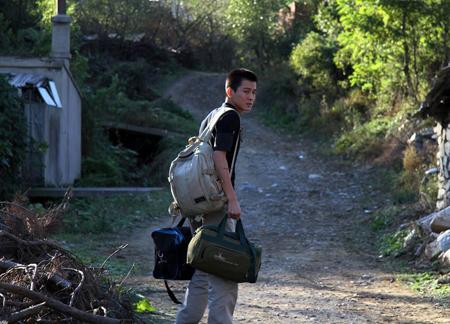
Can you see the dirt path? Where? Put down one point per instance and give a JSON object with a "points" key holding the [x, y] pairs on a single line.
{"points": [[302, 210]]}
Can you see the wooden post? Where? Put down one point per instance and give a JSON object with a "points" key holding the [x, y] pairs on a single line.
{"points": [[60, 7]]}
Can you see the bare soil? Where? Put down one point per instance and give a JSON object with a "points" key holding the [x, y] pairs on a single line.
{"points": [[319, 264]]}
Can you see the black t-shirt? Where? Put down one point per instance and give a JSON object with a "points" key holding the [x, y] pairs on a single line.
{"points": [[225, 134]]}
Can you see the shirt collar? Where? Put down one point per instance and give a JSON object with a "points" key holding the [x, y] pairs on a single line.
{"points": [[229, 105]]}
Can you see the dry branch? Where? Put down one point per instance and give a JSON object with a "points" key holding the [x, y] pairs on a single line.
{"points": [[35, 282], [74, 293], [55, 279], [120, 248], [57, 305], [25, 313], [39, 243]]}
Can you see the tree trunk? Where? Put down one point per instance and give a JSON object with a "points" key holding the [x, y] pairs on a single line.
{"points": [[445, 40], [406, 56]]}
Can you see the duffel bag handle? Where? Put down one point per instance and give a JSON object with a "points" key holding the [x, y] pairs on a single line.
{"points": [[239, 231]]}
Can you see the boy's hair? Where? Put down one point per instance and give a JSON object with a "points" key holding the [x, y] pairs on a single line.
{"points": [[235, 77]]}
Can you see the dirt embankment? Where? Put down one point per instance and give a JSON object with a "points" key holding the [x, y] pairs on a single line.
{"points": [[303, 210]]}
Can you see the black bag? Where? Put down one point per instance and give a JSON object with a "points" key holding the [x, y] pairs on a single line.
{"points": [[170, 255]]}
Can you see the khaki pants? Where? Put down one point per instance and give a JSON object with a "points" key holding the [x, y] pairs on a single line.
{"points": [[205, 289]]}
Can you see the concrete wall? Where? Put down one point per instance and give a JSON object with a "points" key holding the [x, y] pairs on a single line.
{"points": [[62, 160], [36, 116], [443, 160]]}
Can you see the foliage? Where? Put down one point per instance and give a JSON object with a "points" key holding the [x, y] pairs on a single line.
{"points": [[113, 214], [256, 27], [106, 164], [168, 149], [144, 305], [427, 282], [312, 59], [392, 242], [191, 31], [364, 140], [385, 217], [20, 30], [388, 44], [277, 103], [94, 227], [12, 139], [110, 166]]}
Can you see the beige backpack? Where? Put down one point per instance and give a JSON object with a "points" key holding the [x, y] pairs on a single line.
{"points": [[194, 183]]}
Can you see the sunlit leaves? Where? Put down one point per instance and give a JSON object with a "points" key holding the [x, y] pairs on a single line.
{"points": [[144, 305]]}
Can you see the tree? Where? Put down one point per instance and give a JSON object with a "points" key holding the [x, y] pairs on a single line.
{"points": [[12, 138], [252, 23], [390, 43]]}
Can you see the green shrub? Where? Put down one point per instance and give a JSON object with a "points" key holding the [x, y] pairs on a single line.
{"points": [[109, 166], [312, 59], [365, 140], [12, 139], [278, 103], [111, 103], [105, 164], [167, 151], [113, 214], [161, 113], [392, 242], [384, 217]]}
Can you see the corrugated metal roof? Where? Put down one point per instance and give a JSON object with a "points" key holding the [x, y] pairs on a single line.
{"points": [[45, 86], [22, 80]]}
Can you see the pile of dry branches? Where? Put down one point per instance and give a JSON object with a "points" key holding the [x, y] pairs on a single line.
{"points": [[42, 282]]}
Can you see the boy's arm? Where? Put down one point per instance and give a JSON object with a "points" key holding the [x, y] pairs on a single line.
{"points": [[221, 165]]}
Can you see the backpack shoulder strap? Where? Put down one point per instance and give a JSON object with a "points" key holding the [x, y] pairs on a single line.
{"points": [[206, 134]]}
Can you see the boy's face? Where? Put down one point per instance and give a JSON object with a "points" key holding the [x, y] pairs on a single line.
{"points": [[244, 96]]}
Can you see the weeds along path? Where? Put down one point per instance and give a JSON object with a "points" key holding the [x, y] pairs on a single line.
{"points": [[303, 210]]}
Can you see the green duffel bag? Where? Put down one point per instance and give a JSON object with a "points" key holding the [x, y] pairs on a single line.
{"points": [[228, 255]]}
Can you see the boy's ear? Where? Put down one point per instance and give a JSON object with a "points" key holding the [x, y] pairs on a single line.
{"points": [[228, 92]]}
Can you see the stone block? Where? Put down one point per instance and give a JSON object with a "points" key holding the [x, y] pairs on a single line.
{"points": [[445, 258], [440, 203], [446, 186], [447, 148], [432, 250], [425, 223], [441, 152], [443, 241], [441, 193], [438, 128], [441, 221]]}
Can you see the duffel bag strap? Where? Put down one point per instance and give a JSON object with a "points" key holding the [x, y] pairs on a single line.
{"points": [[171, 294], [251, 249]]}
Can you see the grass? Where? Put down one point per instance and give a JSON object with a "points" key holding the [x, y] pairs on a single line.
{"points": [[96, 227], [277, 119], [364, 140], [427, 283], [167, 78], [385, 217]]}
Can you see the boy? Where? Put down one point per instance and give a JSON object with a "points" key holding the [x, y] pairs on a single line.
{"points": [[206, 289]]}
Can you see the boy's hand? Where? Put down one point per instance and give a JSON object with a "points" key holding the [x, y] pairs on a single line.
{"points": [[234, 210]]}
